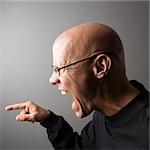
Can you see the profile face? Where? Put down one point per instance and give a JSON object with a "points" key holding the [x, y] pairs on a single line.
{"points": [[77, 80]]}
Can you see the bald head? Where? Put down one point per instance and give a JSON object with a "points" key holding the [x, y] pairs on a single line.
{"points": [[85, 39], [91, 37]]}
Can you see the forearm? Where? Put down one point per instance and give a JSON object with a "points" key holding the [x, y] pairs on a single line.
{"points": [[60, 133]]}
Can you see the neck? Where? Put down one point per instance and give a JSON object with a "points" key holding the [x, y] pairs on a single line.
{"points": [[114, 97]]}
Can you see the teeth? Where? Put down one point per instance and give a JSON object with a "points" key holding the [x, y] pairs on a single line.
{"points": [[63, 92]]}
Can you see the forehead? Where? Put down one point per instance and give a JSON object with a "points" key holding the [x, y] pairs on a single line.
{"points": [[61, 50]]}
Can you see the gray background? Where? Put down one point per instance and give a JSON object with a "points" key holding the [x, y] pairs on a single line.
{"points": [[27, 32]]}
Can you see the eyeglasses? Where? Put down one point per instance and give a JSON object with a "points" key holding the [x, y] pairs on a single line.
{"points": [[57, 69]]}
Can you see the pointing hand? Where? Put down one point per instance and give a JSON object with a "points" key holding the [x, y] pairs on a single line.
{"points": [[29, 111]]}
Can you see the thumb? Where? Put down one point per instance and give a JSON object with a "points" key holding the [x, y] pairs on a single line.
{"points": [[24, 117]]}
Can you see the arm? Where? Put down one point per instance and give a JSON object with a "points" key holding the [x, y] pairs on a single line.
{"points": [[60, 133]]}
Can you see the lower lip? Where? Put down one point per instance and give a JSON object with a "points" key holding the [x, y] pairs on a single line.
{"points": [[77, 108]]}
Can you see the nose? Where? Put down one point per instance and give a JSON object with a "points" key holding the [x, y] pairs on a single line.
{"points": [[54, 79]]}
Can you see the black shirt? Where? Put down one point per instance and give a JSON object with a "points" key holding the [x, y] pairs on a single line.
{"points": [[128, 129]]}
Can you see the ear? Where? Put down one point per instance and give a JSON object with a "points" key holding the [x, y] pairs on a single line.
{"points": [[101, 66]]}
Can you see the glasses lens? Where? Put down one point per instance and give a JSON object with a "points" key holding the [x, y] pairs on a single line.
{"points": [[57, 70]]}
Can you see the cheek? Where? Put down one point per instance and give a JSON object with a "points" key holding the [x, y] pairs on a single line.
{"points": [[69, 82], [83, 83], [65, 82]]}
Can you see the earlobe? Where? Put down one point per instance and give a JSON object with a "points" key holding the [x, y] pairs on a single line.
{"points": [[101, 66]]}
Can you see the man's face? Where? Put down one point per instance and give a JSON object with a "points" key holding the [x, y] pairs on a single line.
{"points": [[77, 80]]}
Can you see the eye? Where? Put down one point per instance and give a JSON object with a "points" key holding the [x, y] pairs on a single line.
{"points": [[56, 69]]}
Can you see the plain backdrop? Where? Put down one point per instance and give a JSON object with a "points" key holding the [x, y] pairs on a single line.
{"points": [[27, 32]]}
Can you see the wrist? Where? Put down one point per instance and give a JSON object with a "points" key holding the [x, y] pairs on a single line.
{"points": [[46, 113]]}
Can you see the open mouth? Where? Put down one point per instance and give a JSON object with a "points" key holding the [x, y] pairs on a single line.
{"points": [[76, 105]]}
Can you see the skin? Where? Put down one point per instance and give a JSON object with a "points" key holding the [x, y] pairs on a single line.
{"points": [[95, 84]]}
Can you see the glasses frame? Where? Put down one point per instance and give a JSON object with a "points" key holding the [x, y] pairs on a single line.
{"points": [[57, 69]]}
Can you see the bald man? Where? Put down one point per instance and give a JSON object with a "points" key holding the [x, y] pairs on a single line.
{"points": [[88, 62]]}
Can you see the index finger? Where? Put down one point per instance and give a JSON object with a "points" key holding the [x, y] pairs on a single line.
{"points": [[16, 106]]}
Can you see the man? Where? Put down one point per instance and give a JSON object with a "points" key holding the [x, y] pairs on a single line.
{"points": [[88, 63]]}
